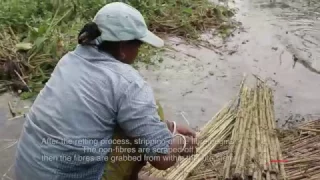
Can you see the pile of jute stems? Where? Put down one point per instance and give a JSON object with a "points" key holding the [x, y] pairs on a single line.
{"points": [[302, 152], [248, 125], [211, 136], [254, 151]]}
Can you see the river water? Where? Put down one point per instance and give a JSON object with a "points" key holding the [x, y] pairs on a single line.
{"points": [[278, 41], [298, 25]]}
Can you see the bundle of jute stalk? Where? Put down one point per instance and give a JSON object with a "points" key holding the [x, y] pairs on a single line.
{"points": [[301, 150], [255, 149], [212, 135]]}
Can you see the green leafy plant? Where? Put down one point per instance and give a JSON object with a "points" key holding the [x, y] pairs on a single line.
{"points": [[35, 34]]}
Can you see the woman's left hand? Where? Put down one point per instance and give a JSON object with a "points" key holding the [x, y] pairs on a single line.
{"points": [[186, 131]]}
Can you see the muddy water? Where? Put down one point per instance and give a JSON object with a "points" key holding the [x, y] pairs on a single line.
{"points": [[278, 41], [10, 129], [301, 22], [286, 41]]}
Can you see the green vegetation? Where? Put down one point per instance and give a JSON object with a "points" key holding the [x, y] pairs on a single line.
{"points": [[34, 34]]}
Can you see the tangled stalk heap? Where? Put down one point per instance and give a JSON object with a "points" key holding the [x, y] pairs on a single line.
{"points": [[301, 150]]}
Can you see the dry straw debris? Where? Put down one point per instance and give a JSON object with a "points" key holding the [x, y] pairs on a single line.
{"points": [[301, 150]]}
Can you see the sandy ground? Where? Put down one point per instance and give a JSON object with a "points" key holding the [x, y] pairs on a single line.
{"points": [[196, 82]]}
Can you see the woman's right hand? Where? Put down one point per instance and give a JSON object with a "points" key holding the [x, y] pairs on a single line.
{"points": [[191, 146], [176, 148]]}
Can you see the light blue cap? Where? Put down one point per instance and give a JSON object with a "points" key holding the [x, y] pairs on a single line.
{"points": [[121, 22]]}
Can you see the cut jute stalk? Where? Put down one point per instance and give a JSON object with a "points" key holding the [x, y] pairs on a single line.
{"points": [[309, 129], [272, 140], [230, 153], [252, 150], [241, 166], [275, 138], [240, 152], [234, 139], [243, 120]]}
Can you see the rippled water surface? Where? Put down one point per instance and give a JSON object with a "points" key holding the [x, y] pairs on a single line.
{"points": [[300, 20]]}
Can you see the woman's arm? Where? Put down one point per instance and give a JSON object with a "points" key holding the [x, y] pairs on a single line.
{"points": [[138, 118]]}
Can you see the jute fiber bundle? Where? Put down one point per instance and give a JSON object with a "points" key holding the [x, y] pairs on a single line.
{"points": [[248, 125], [255, 149], [213, 133]]}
